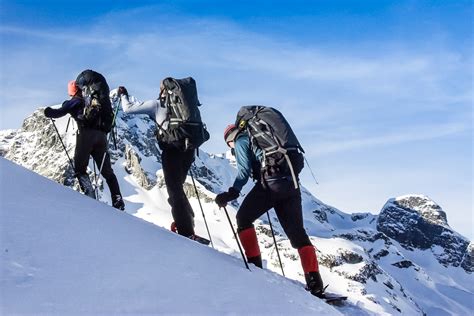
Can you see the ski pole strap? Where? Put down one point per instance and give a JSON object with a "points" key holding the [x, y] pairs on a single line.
{"points": [[236, 239]]}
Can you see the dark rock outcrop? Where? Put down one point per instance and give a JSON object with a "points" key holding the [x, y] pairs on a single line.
{"points": [[417, 222]]}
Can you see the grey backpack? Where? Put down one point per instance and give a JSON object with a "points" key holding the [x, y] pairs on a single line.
{"points": [[269, 130], [181, 99]]}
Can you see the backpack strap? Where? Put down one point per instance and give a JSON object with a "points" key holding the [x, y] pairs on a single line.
{"points": [[275, 146]]}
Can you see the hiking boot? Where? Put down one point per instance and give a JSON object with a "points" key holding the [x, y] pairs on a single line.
{"points": [[248, 238], [117, 202], [257, 261], [314, 283], [86, 185], [173, 227]]}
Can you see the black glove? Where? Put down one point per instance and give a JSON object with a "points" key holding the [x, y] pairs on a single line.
{"points": [[223, 198], [122, 91], [48, 112]]}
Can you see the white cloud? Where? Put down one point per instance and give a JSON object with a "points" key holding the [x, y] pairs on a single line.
{"points": [[341, 143], [317, 88]]}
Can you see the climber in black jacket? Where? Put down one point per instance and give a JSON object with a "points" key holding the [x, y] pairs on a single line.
{"points": [[90, 140]]}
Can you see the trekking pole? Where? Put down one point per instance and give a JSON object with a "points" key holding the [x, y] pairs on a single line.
{"points": [[95, 181], [67, 126], [275, 242], [114, 131], [236, 239], [200, 205], [62, 143], [108, 141], [311, 170]]}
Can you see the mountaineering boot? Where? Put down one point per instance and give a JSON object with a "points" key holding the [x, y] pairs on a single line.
{"points": [[117, 202], [86, 185], [314, 283], [194, 237], [310, 265], [173, 227], [248, 238], [257, 261]]}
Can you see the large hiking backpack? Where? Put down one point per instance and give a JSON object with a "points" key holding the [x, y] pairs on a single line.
{"points": [[180, 97], [97, 111], [269, 130]]}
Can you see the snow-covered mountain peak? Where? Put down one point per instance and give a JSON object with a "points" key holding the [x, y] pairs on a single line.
{"points": [[417, 222], [426, 207]]}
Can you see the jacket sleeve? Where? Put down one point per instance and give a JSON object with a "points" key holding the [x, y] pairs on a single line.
{"points": [[133, 106], [243, 155], [67, 107]]}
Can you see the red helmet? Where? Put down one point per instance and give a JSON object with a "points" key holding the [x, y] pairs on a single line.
{"points": [[230, 133], [72, 88]]}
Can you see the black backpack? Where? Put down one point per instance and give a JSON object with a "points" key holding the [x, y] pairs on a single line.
{"points": [[180, 97], [97, 111], [269, 130]]}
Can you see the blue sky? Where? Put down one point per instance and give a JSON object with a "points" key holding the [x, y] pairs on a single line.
{"points": [[379, 92]]}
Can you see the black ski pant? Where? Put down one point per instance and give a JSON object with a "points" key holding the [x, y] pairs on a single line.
{"points": [[285, 199], [176, 165], [94, 142]]}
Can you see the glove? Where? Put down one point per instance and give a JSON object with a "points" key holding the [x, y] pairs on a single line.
{"points": [[122, 91], [223, 198], [48, 112]]}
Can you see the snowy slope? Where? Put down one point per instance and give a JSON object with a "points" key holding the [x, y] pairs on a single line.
{"points": [[361, 255], [64, 253]]}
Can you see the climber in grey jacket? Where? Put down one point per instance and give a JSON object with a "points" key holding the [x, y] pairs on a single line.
{"points": [[175, 161]]}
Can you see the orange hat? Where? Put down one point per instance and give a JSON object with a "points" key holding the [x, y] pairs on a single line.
{"points": [[72, 88]]}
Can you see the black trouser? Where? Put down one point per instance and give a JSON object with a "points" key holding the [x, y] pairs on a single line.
{"points": [[94, 142], [285, 199], [176, 165]]}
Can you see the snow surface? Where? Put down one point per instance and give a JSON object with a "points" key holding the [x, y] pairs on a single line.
{"points": [[64, 253]]}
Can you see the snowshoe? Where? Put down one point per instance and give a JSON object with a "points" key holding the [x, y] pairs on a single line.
{"points": [[333, 299], [200, 239], [330, 298]]}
